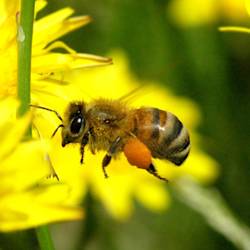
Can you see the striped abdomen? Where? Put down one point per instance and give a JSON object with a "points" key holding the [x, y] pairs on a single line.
{"points": [[163, 133]]}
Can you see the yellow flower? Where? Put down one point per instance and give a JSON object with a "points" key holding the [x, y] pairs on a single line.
{"points": [[189, 13], [25, 201], [236, 28], [28, 199], [125, 182], [45, 61]]}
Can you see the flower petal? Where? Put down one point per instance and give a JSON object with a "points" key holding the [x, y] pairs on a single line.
{"points": [[189, 13], [8, 9], [234, 29], [29, 209], [55, 25], [35, 167], [11, 134], [117, 201], [39, 5], [57, 62], [247, 3], [152, 195]]}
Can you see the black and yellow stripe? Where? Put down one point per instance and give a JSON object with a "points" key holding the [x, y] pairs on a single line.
{"points": [[163, 133]]}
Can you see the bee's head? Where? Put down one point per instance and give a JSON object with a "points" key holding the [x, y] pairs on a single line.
{"points": [[74, 123]]}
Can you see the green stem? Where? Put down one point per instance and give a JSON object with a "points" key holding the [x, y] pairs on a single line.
{"points": [[24, 39], [209, 203], [44, 238]]}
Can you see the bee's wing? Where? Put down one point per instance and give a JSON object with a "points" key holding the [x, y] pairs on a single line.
{"points": [[133, 94]]}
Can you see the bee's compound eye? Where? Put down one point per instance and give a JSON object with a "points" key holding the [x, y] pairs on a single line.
{"points": [[76, 124], [107, 121]]}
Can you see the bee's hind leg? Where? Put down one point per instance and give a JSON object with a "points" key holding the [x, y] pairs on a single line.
{"points": [[152, 170], [107, 158]]}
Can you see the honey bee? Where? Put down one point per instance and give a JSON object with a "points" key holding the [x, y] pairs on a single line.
{"points": [[141, 134]]}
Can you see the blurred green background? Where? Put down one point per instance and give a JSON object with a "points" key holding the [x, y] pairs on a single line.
{"points": [[210, 67]]}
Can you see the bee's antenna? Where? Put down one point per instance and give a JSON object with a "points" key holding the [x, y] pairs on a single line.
{"points": [[51, 110], [60, 126]]}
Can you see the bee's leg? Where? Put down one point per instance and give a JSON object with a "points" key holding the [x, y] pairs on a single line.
{"points": [[105, 162], [84, 142], [107, 158], [152, 170], [53, 173], [47, 157], [92, 140]]}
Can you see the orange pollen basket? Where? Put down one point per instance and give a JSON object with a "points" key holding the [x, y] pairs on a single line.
{"points": [[137, 153]]}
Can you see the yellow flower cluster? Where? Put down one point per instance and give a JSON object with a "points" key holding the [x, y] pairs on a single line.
{"points": [[237, 28], [26, 199], [191, 13], [45, 61]]}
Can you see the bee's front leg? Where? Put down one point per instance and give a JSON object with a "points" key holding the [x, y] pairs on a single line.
{"points": [[112, 150], [84, 142]]}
